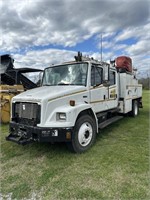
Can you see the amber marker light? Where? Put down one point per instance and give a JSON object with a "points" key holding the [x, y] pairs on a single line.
{"points": [[72, 103], [68, 135]]}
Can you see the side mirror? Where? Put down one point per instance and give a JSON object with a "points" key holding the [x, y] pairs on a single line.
{"points": [[106, 73]]}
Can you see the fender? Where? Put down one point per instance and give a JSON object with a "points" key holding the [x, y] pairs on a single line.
{"points": [[72, 113]]}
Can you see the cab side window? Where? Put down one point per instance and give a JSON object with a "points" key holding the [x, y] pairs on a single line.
{"points": [[96, 75], [112, 78]]}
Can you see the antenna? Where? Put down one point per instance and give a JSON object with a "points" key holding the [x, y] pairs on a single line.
{"points": [[101, 47]]}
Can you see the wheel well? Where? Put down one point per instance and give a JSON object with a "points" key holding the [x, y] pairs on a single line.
{"points": [[86, 112], [139, 101]]}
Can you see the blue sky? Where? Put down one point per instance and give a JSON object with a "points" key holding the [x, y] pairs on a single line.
{"points": [[38, 33]]}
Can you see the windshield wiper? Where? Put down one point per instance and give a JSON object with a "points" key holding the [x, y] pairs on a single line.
{"points": [[61, 83], [46, 85]]}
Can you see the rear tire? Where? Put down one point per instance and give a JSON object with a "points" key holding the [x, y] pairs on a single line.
{"points": [[84, 134], [135, 108]]}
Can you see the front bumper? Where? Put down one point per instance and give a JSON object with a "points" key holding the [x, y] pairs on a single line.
{"points": [[23, 134]]}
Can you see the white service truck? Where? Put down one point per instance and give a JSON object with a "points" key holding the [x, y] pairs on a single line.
{"points": [[75, 100]]}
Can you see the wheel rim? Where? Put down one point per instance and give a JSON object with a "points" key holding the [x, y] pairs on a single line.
{"points": [[136, 109], [85, 134]]}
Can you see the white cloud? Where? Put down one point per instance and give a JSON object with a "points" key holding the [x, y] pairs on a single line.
{"points": [[135, 32], [28, 24], [65, 22], [43, 58], [140, 48]]}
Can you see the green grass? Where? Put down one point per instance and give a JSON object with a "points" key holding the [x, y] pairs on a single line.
{"points": [[116, 167]]}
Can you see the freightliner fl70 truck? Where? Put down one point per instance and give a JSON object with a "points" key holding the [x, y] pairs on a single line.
{"points": [[75, 100]]}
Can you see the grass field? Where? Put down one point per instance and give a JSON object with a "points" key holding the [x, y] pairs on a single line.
{"points": [[115, 168]]}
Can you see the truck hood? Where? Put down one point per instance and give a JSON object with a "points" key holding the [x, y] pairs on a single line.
{"points": [[48, 93]]}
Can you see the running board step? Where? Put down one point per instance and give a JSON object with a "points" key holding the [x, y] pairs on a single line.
{"points": [[109, 121]]}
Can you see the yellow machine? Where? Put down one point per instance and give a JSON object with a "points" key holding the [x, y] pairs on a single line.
{"points": [[12, 82], [6, 94]]}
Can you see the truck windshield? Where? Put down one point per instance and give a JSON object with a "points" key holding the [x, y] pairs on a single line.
{"points": [[68, 74]]}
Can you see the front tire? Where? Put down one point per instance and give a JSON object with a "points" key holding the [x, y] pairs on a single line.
{"points": [[84, 134]]}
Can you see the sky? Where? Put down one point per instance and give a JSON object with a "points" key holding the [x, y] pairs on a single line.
{"points": [[39, 33]]}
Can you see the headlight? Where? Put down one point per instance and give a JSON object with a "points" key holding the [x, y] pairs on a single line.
{"points": [[61, 116]]}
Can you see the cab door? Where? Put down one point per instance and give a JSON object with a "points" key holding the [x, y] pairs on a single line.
{"points": [[98, 93], [112, 101]]}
